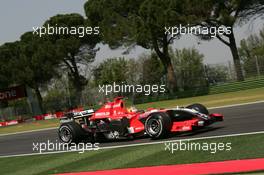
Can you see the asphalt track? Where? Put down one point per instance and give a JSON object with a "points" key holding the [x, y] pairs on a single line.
{"points": [[238, 119]]}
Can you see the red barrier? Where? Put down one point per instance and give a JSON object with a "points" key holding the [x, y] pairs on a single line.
{"points": [[2, 124], [59, 114], [9, 123], [79, 109], [39, 117], [12, 122], [48, 116], [232, 166]]}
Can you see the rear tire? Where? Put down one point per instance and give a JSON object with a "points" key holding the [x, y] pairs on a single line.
{"points": [[158, 125], [199, 107], [70, 133]]}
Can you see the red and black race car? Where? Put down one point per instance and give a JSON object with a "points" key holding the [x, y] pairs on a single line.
{"points": [[114, 121]]}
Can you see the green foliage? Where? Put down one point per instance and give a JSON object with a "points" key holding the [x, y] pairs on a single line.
{"points": [[251, 52], [8, 52], [189, 66], [152, 70], [230, 13], [147, 70], [110, 71], [36, 63], [114, 18], [141, 22], [134, 69], [216, 74], [72, 48], [35, 60], [130, 23], [55, 100], [30, 61], [75, 52]]}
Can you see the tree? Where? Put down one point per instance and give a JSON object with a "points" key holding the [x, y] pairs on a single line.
{"points": [[8, 52], [189, 66], [36, 64], [76, 52], [216, 74], [55, 100], [134, 69], [229, 14], [143, 22], [251, 52], [113, 70], [152, 70], [30, 61]]}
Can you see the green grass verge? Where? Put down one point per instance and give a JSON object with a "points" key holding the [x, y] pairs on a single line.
{"points": [[250, 83], [243, 147], [237, 86], [43, 124], [230, 98]]}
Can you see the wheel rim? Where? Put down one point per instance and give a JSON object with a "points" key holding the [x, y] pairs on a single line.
{"points": [[154, 126], [65, 134]]}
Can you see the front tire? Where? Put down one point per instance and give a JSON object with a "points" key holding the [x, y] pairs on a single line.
{"points": [[158, 125], [70, 132]]}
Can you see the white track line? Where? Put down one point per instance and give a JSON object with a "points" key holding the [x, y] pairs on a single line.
{"points": [[218, 107], [140, 144], [187, 139], [240, 104]]}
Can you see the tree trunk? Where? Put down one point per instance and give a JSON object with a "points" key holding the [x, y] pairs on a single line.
{"points": [[172, 81], [169, 70], [78, 87], [78, 82], [76, 90], [40, 100], [236, 58], [166, 61]]}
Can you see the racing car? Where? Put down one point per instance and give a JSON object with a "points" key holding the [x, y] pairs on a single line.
{"points": [[114, 121]]}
